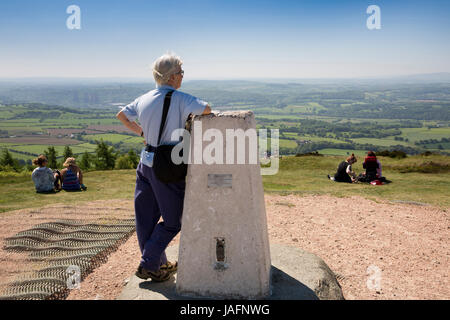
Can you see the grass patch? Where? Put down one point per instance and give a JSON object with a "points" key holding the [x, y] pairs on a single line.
{"points": [[17, 190], [287, 204], [308, 175], [424, 167], [416, 134], [39, 149], [297, 175]]}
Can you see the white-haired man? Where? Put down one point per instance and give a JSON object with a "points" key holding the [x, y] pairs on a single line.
{"points": [[154, 199]]}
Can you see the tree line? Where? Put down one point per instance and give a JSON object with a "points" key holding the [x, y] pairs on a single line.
{"points": [[104, 158]]}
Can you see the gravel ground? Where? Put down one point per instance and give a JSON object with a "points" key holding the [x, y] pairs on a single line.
{"points": [[379, 250]]}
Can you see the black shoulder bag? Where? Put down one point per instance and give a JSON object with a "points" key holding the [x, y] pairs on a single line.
{"points": [[165, 170]]}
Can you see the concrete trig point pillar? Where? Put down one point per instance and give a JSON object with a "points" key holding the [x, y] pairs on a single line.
{"points": [[224, 244]]}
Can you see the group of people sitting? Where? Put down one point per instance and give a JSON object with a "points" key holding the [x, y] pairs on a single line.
{"points": [[47, 180], [371, 165]]}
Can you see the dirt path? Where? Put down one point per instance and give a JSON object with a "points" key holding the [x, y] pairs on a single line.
{"points": [[403, 246]]}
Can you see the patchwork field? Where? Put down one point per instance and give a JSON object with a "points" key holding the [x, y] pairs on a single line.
{"points": [[342, 152], [29, 130], [37, 140]]}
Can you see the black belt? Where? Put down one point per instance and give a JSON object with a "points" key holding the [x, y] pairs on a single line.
{"points": [[150, 148]]}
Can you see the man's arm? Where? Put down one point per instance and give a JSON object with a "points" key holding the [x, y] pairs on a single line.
{"points": [[133, 126]]}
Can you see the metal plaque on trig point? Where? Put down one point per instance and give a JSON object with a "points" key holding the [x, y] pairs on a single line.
{"points": [[220, 180]]}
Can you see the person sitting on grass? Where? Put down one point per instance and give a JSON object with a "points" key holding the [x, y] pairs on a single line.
{"points": [[373, 169], [72, 176], [371, 165], [45, 179], [344, 171]]}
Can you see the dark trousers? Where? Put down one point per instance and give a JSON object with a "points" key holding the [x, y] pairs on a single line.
{"points": [[153, 200], [58, 181]]}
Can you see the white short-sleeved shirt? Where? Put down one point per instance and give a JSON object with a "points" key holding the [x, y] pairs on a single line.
{"points": [[43, 179], [148, 110]]}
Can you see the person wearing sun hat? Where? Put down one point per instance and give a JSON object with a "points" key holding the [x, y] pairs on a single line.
{"points": [[72, 176]]}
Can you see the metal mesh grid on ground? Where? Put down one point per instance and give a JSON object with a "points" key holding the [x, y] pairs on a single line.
{"points": [[60, 247]]}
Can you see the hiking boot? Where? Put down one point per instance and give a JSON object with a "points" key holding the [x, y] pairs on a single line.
{"points": [[169, 266], [157, 276], [82, 186]]}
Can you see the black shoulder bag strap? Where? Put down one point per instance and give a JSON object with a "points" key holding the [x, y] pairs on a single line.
{"points": [[165, 170], [164, 114]]}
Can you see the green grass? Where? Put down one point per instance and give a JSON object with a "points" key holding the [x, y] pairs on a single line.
{"points": [[307, 175], [309, 107], [309, 137], [416, 134], [113, 138], [318, 139], [386, 142], [39, 149], [297, 175], [17, 190], [21, 156], [283, 143], [7, 144]]}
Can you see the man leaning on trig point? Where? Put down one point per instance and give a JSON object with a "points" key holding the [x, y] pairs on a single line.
{"points": [[152, 198]]}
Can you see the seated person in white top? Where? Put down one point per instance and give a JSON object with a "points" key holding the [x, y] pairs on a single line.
{"points": [[45, 179]]}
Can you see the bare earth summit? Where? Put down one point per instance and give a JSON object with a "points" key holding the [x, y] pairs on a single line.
{"points": [[404, 246]]}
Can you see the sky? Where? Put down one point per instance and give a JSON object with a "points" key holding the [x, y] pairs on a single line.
{"points": [[224, 39]]}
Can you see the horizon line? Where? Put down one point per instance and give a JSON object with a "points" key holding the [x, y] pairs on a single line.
{"points": [[150, 79]]}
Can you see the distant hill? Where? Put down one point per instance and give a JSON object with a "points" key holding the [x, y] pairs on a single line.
{"points": [[441, 77]]}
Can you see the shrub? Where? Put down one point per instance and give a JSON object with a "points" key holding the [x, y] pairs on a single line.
{"points": [[315, 153], [7, 162], [392, 154], [123, 162], [51, 155], [424, 167], [106, 159]]}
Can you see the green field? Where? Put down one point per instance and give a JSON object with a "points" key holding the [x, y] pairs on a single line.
{"points": [[342, 152], [381, 142], [416, 134], [22, 156], [310, 107], [283, 143], [39, 149], [113, 138], [310, 137]]}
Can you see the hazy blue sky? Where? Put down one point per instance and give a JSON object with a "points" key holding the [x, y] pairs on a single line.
{"points": [[224, 39]]}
